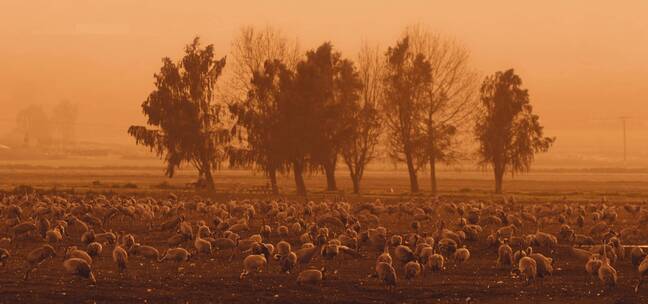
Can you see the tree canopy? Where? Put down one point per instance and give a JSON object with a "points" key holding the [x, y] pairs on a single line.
{"points": [[186, 122], [508, 133]]}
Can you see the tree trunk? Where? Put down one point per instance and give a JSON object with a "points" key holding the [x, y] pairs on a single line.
{"points": [[273, 181], [414, 187], [298, 171], [209, 179], [355, 178], [499, 176], [329, 169], [433, 181]]}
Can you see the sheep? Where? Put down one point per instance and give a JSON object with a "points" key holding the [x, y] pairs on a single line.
{"points": [[202, 245], [412, 269], [435, 262], [528, 268], [544, 265], [94, 249], [447, 247], [387, 275], [37, 257], [642, 269], [637, 255], [80, 267], [287, 262], [145, 251], [73, 252], [177, 255], [462, 255], [252, 264], [120, 257], [607, 274], [504, 256], [226, 244], [283, 248], [4, 256], [88, 237], [404, 254], [311, 276], [593, 264]]}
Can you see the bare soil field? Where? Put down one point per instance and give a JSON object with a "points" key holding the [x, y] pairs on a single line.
{"points": [[214, 279]]}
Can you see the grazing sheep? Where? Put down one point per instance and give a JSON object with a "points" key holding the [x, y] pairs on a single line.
{"points": [[287, 262], [252, 264], [311, 276], [94, 249], [435, 262], [80, 267], [145, 251], [637, 256], [412, 269], [528, 269], [607, 274], [461, 255], [387, 275], [120, 257], [37, 257], [4, 256], [505, 256], [176, 254], [88, 237], [643, 270], [593, 264], [73, 252]]}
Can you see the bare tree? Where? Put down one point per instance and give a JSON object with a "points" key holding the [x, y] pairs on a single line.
{"points": [[360, 148], [250, 50], [450, 95]]}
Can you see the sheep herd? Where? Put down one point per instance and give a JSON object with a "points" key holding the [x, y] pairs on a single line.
{"points": [[310, 241]]}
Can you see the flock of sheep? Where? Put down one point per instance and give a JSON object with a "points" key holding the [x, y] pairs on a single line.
{"points": [[310, 239]]}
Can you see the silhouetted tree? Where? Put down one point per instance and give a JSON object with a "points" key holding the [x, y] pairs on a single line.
{"points": [[251, 49], [360, 147], [328, 86], [408, 75], [260, 57], [64, 118], [450, 96], [187, 122], [34, 123], [259, 117], [508, 132]]}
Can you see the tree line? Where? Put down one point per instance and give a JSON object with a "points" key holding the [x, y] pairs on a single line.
{"points": [[284, 111]]}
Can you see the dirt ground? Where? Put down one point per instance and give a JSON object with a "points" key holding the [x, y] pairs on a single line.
{"points": [[216, 280]]}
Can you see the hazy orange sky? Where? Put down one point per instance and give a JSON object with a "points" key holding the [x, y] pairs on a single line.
{"points": [[585, 63]]}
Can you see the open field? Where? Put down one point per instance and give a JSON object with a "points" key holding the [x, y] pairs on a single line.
{"points": [[375, 183], [215, 280]]}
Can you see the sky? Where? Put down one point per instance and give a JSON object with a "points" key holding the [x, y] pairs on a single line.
{"points": [[585, 63]]}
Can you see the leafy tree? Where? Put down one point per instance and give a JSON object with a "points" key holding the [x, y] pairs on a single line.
{"points": [[360, 147], [508, 132], [261, 57], [328, 85], [187, 122], [259, 117], [407, 77]]}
